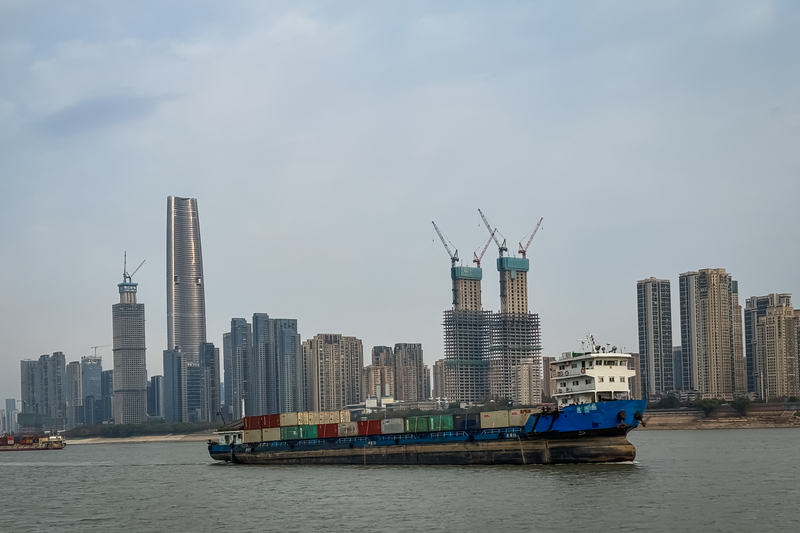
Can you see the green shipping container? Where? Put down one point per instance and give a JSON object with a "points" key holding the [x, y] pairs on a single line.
{"points": [[290, 432], [308, 432], [416, 423], [440, 423]]}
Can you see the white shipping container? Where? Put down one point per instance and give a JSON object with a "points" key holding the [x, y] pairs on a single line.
{"points": [[344, 416], [270, 434], [252, 435], [392, 425], [494, 419], [302, 418], [289, 419], [348, 429], [313, 418], [519, 417]]}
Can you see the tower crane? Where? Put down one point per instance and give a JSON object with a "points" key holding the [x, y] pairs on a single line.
{"points": [[501, 247], [96, 347], [125, 276], [477, 258], [453, 256], [524, 250]]}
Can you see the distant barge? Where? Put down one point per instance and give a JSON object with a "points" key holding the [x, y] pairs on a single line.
{"points": [[589, 424], [31, 443]]}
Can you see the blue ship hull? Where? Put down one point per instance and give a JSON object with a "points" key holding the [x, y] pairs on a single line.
{"points": [[575, 434]]}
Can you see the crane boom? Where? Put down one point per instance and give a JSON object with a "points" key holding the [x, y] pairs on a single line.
{"points": [[524, 250], [453, 256], [477, 258], [137, 269], [501, 247]]}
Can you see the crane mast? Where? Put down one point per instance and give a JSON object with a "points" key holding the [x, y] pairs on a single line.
{"points": [[524, 250], [453, 256]]}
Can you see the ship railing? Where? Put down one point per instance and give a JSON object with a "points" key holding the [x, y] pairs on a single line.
{"points": [[445, 434], [398, 436], [278, 443], [506, 431], [345, 440], [309, 441]]}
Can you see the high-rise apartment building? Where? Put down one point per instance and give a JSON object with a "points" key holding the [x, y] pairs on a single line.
{"points": [[186, 302], [74, 395], [176, 408], [677, 368], [635, 383], [42, 384], [378, 381], [276, 375], [655, 336], [241, 363], [776, 370], [547, 389], [209, 382], [28, 377], [130, 372], [426, 371], [410, 373], [711, 326], [514, 347], [106, 395], [333, 367], [466, 339], [438, 379], [755, 308], [227, 358], [92, 391], [10, 425]]}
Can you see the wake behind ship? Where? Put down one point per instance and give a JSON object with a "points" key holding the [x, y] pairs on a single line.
{"points": [[589, 423]]}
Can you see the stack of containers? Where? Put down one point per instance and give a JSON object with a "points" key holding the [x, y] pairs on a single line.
{"points": [[252, 429], [270, 428]]}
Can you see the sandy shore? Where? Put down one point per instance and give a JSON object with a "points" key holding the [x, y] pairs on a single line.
{"points": [[194, 437]]}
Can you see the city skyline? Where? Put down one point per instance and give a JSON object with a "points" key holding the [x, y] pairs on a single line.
{"points": [[397, 116]]}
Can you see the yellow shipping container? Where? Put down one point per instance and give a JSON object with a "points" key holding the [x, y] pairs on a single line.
{"points": [[289, 419], [344, 416], [252, 435], [302, 418], [270, 434], [313, 418], [494, 419]]}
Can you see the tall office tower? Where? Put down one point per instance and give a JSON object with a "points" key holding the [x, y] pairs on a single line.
{"points": [[241, 355], [28, 370], [333, 365], [209, 382], [776, 376], [438, 379], [91, 385], [227, 357], [74, 395], [677, 368], [106, 395], [466, 339], [130, 371], [635, 383], [514, 336], [755, 308], [655, 336], [710, 334], [377, 381], [175, 381], [409, 372], [155, 397], [547, 389], [186, 301]]}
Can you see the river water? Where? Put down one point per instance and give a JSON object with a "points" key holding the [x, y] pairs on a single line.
{"points": [[721, 480]]}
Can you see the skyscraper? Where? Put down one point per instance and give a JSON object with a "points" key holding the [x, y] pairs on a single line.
{"points": [[209, 382], [655, 336], [776, 369], [130, 372], [276, 375], [333, 365], [175, 381], [755, 308], [409, 372], [438, 379], [155, 397], [186, 303], [514, 350], [74, 395], [227, 358], [92, 391], [241, 363], [713, 364]]}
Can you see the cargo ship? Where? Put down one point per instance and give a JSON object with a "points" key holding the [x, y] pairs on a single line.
{"points": [[589, 423], [31, 443]]}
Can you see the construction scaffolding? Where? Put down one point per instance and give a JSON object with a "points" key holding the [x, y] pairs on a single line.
{"points": [[515, 357], [466, 344]]}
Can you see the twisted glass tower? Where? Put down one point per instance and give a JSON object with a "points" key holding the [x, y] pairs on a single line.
{"points": [[186, 301]]}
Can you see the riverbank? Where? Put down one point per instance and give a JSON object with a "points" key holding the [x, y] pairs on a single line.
{"points": [[192, 437], [721, 419]]}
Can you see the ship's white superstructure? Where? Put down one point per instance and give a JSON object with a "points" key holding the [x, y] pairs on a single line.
{"points": [[594, 376]]}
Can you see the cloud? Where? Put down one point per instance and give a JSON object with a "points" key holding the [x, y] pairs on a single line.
{"points": [[97, 113]]}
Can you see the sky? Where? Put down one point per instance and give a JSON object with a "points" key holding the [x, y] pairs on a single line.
{"points": [[322, 138]]}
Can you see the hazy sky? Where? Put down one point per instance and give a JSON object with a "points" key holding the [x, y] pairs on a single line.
{"points": [[322, 138]]}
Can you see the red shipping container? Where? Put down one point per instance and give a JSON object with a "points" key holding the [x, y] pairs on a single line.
{"points": [[270, 421], [252, 422], [327, 431], [369, 427]]}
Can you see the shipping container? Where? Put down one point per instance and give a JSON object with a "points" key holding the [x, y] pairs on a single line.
{"points": [[290, 432], [308, 432], [518, 417], [288, 419], [270, 421], [415, 424], [466, 421], [494, 419], [440, 423], [369, 427], [390, 426], [348, 429], [344, 416], [329, 417], [270, 434], [251, 422], [302, 418], [252, 435], [313, 418], [327, 431]]}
